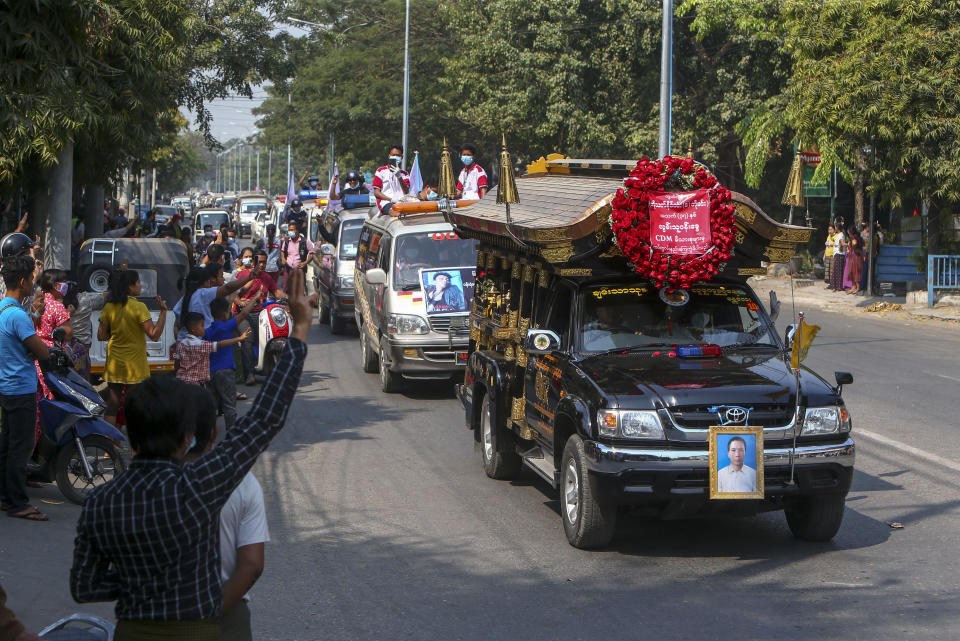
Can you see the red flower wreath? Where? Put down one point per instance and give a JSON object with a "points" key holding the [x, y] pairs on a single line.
{"points": [[630, 221]]}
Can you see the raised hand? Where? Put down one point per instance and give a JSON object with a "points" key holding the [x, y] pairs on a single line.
{"points": [[162, 303]]}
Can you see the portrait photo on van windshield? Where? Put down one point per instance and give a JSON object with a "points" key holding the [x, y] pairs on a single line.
{"points": [[635, 316], [428, 250], [448, 290]]}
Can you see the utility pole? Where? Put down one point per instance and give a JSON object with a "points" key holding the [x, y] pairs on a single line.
{"points": [[289, 102], [249, 167], [258, 170], [153, 188], [269, 168], [406, 84], [666, 79]]}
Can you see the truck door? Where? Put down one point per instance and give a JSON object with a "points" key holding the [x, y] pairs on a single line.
{"points": [[542, 378]]}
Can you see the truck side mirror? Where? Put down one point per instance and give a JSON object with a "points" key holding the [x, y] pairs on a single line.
{"points": [[788, 335], [774, 306], [843, 378], [376, 276], [541, 341]]}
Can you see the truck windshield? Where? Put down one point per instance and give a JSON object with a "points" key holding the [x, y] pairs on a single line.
{"points": [[252, 206], [413, 252], [634, 315], [349, 238]]}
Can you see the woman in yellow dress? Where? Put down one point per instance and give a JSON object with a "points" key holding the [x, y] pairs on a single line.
{"points": [[125, 324]]}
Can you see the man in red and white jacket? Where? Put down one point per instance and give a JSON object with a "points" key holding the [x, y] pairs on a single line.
{"points": [[390, 183], [472, 183]]}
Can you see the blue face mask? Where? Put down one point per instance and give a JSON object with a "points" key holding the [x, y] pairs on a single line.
{"points": [[208, 234], [292, 234], [433, 195], [466, 160]]}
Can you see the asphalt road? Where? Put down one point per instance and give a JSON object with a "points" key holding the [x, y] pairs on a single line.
{"points": [[385, 527]]}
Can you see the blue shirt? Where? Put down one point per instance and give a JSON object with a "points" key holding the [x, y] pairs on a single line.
{"points": [[221, 331], [200, 303], [18, 374]]}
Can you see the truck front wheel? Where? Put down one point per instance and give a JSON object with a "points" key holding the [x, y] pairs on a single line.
{"points": [[816, 518], [587, 522], [503, 466]]}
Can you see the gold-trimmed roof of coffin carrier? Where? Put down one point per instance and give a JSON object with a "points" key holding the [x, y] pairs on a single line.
{"points": [[564, 210]]}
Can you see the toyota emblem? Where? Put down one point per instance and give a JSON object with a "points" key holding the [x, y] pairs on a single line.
{"points": [[736, 415]]}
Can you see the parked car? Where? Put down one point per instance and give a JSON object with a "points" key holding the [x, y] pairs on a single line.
{"points": [[401, 335]]}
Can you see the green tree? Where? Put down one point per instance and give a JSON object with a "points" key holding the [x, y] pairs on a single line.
{"points": [[880, 76]]}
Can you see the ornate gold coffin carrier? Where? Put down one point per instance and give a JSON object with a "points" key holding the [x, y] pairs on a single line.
{"points": [[563, 222]]}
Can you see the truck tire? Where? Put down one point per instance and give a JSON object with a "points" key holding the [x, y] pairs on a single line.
{"points": [[96, 279], [105, 461], [368, 356], [503, 466], [390, 382], [586, 522], [816, 518]]}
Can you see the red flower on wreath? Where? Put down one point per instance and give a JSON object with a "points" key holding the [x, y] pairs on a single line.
{"points": [[630, 221]]}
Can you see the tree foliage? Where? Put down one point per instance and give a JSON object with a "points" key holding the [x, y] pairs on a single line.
{"points": [[875, 75], [104, 74]]}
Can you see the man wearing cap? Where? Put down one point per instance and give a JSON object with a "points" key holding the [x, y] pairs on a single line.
{"points": [[472, 183]]}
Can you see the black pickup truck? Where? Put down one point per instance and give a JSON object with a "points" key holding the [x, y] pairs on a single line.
{"points": [[620, 394]]}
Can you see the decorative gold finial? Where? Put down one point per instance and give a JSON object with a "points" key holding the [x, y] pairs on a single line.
{"points": [[448, 184], [507, 190]]}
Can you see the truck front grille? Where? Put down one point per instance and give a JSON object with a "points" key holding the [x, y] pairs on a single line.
{"points": [[700, 416], [452, 324]]}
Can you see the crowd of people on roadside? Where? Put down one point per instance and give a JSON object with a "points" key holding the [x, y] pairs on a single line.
{"points": [[847, 255], [203, 491]]}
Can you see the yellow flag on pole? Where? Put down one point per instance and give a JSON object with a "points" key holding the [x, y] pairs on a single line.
{"points": [[802, 339]]}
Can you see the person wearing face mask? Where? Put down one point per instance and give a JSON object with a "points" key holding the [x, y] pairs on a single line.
{"points": [[206, 240], [390, 182], [296, 213], [297, 250], [472, 183], [429, 191]]}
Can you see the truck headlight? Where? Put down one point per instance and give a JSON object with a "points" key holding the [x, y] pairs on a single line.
{"points": [[407, 324], [344, 282], [640, 424], [823, 420]]}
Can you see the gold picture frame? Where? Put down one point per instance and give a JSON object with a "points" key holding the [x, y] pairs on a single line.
{"points": [[726, 481]]}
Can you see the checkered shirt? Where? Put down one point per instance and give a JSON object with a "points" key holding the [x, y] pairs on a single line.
{"points": [[194, 355], [150, 538]]}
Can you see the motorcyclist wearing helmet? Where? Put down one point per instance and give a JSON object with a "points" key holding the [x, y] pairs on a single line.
{"points": [[18, 244], [296, 212]]}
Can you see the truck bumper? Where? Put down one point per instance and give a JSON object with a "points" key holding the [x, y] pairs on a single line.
{"points": [[677, 482], [341, 304], [427, 361]]}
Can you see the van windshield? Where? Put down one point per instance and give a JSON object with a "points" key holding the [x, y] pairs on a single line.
{"points": [[252, 206], [350, 238], [634, 315], [413, 252]]}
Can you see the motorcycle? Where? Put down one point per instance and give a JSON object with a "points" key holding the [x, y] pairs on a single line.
{"points": [[275, 326], [77, 448]]}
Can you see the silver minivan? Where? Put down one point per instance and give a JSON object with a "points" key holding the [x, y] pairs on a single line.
{"points": [[414, 281]]}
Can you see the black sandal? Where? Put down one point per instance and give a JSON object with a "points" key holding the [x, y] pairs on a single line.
{"points": [[30, 513]]}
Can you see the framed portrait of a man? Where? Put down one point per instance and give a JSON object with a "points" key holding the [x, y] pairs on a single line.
{"points": [[736, 462], [447, 290]]}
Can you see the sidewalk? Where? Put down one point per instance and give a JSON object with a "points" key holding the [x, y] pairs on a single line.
{"points": [[813, 293]]}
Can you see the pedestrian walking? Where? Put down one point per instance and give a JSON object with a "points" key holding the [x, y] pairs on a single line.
{"points": [[272, 246], [191, 355], [125, 324], [472, 182], [80, 306], [19, 345], [148, 539], [243, 532], [223, 381], [297, 250], [839, 260]]}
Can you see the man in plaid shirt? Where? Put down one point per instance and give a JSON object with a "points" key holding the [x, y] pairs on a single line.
{"points": [[192, 355], [149, 538]]}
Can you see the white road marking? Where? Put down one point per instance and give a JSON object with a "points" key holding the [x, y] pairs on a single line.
{"points": [[952, 378], [909, 449]]}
